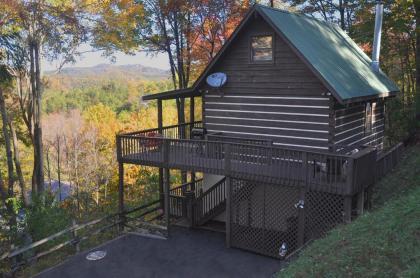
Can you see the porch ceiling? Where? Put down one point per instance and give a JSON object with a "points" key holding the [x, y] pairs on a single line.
{"points": [[180, 93]]}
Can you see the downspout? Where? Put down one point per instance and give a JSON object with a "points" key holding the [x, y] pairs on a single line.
{"points": [[377, 35]]}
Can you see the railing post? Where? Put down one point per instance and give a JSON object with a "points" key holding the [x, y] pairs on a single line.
{"points": [[76, 240], [121, 196], [350, 176], [119, 148], [166, 150]]}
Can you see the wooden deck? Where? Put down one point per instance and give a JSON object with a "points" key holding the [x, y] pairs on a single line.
{"points": [[172, 147], [289, 171]]}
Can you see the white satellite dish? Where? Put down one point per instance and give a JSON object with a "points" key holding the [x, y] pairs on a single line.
{"points": [[217, 79]]}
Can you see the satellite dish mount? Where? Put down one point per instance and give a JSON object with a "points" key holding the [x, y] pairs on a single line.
{"points": [[217, 80]]}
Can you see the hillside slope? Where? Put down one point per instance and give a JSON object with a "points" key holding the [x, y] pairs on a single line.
{"points": [[134, 71], [79, 77], [381, 243]]}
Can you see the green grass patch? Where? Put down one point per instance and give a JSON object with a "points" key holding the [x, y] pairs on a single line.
{"points": [[382, 243]]}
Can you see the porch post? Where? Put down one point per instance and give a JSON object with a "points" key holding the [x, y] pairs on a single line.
{"points": [[192, 110], [160, 128], [166, 185], [192, 120], [121, 195]]}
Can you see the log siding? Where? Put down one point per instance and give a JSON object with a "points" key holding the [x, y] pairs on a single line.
{"points": [[350, 126]]}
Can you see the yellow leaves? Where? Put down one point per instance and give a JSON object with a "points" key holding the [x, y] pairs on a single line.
{"points": [[104, 121], [117, 24]]}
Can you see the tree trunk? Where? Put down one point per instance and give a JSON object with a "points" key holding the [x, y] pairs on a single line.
{"points": [[3, 193], [59, 168], [7, 143], [38, 149], [48, 168], [33, 93], [6, 136], [417, 99], [18, 165], [341, 10]]}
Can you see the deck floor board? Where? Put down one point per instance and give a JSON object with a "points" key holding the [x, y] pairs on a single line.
{"points": [[285, 171]]}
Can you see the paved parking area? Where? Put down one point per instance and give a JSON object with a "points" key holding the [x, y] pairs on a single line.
{"points": [[187, 253]]}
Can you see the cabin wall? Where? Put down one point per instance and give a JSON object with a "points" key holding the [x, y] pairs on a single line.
{"points": [[280, 101], [349, 126]]}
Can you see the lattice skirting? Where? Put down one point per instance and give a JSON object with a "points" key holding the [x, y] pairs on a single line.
{"points": [[265, 216]]}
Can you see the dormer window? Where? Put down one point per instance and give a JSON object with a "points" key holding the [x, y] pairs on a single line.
{"points": [[261, 49]]}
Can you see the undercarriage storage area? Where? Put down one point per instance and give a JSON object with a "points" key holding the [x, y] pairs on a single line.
{"points": [[276, 220]]}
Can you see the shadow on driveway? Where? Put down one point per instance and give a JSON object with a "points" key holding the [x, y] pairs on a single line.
{"points": [[187, 253]]}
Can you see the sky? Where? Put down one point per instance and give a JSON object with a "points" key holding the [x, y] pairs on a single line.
{"points": [[94, 58]]}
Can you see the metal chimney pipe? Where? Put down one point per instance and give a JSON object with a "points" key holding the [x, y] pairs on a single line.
{"points": [[377, 35]]}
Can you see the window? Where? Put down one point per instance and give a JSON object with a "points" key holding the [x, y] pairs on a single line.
{"points": [[368, 118], [262, 49]]}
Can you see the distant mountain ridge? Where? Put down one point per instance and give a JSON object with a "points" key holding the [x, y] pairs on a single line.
{"points": [[133, 71]]}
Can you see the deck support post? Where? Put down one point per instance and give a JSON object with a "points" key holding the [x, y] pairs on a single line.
{"points": [[121, 196], [360, 202], [193, 178], [228, 214], [166, 185], [228, 193], [301, 204], [160, 128], [347, 209], [189, 198]]}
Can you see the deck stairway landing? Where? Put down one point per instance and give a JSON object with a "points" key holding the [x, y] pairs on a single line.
{"points": [[194, 207]]}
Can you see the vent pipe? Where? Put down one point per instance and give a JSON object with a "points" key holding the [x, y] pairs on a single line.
{"points": [[377, 35]]}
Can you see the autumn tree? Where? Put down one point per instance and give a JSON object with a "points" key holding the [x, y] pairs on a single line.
{"points": [[416, 4], [49, 29], [341, 12], [398, 45]]}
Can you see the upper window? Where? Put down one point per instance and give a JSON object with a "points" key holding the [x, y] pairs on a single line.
{"points": [[262, 49]]}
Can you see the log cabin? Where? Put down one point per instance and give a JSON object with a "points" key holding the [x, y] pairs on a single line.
{"points": [[288, 137]]}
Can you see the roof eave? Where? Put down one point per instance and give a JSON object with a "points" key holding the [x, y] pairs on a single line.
{"points": [[370, 97], [179, 93]]}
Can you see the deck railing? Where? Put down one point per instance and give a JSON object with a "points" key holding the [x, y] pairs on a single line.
{"points": [[178, 197], [173, 131], [387, 161], [337, 173], [73, 236]]}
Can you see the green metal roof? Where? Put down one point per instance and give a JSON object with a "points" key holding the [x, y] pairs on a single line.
{"points": [[332, 54]]}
